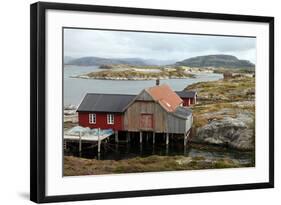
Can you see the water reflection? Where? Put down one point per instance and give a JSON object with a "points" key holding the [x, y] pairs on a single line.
{"points": [[132, 149]]}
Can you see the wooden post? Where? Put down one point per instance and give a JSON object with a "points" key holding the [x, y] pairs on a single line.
{"points": [[140, 137], [167, 138], [167, 149], [153, 137], [80, 142], [99, 140], [128, 147], [185, 140], [116, 137], [128, 137]]}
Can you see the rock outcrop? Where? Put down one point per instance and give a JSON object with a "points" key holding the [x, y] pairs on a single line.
{"points": [[236, 132]]}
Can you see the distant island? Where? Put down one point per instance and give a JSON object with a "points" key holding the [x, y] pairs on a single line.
{"points": [[140, 69], [128, 72], [217, 61]]}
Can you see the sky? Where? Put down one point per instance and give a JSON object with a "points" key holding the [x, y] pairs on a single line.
{"points": [[159, 46]]}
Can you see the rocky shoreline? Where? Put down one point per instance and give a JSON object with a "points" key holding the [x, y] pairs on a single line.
{"points": [[225, 114]]}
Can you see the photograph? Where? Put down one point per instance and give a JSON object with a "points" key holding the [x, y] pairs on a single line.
{"points": [[147, 101]]}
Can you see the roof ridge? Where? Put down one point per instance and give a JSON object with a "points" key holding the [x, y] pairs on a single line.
{"points": [[110, 94]]}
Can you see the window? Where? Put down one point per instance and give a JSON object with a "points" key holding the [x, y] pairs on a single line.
{"points": [[92, 118], [110, 119]]}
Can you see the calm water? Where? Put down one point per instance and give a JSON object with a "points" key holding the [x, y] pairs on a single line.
{"points": [[118, 151], [75, 88]]}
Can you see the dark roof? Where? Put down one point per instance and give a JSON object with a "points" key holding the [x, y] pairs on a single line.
{"points": [[186, 94], [94, 102], [183, 112]]}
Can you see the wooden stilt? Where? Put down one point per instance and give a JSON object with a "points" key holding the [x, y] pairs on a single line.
{"points": [[167, 149], [80, 142], [116, 147], [116, 137], [153, 138], [99, 141], [140, 137], [127, 147], [184, 150], [185, 140], [167, 138], [128, 137]]}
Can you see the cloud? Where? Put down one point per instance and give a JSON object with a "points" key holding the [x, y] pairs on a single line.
{"points": [[161, 46]]}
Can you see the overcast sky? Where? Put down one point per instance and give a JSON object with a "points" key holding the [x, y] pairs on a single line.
{"points": [[120, 44]]}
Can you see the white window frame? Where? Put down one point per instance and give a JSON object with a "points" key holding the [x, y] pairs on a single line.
{"points": [[110, 119], [92, 118]]}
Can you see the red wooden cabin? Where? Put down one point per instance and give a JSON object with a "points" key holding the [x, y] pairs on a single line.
{"points": [[103, 111], [188, 97]]}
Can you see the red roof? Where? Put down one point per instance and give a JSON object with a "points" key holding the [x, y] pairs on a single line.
{"points": [[166, 97]]}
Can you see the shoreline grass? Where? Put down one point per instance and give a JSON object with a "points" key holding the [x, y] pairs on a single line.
{"points": [[75, 166]]}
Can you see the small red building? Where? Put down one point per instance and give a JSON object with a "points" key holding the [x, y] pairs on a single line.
{"points": [[103, 111], [188, 97]]}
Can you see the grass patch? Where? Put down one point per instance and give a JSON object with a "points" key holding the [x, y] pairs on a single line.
{"points": [[224, 164], [231, 90], [74, 166]]}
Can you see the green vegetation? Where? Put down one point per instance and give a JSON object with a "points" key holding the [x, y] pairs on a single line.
{"points": [[74, 166], [223, 91], [223, 98]]}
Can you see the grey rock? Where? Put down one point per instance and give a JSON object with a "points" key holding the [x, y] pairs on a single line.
{"points": [[234, 132]]}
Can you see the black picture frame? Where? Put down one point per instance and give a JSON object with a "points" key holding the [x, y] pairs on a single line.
{"points": [[38, 100]]}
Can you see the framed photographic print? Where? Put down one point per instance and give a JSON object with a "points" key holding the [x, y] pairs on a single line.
{"points": [[129, 102]]}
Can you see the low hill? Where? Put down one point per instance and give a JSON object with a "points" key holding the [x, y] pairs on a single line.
{"points": [[217, 61], [96, 61]]}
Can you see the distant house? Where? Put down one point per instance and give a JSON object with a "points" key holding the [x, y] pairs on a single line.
{"points": [[156, 109], [227, 75], [188, 97]]}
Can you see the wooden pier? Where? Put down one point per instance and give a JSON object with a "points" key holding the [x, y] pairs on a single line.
{"points": [[95, 138]]}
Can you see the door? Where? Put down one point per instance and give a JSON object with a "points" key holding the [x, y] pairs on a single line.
{"points": [[146, 121]]}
